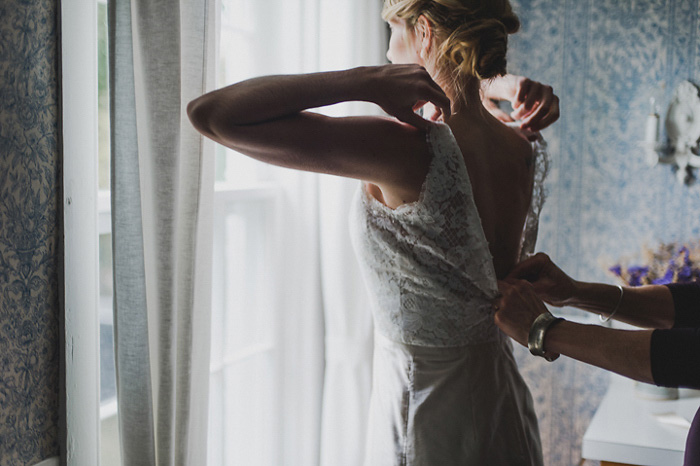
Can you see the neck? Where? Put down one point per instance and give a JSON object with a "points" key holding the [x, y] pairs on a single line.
{"points": [[468, 100], [464, 100]]}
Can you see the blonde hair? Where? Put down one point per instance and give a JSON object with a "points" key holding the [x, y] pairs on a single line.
{"points": [[471, 35]]}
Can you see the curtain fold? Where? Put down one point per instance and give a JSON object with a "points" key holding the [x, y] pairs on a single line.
{"points": [[161, 57], [360, 39], [348, 333]]}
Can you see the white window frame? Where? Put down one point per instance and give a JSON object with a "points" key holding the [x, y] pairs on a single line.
{"points": [[80, 322]]}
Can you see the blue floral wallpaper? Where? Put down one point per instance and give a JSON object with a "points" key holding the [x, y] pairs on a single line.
{"points": [[605, 59], [30, 259]]}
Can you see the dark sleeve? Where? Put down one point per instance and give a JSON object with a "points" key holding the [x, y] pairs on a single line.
{"points": [[675, 352], [675, 357], [686, 302]]}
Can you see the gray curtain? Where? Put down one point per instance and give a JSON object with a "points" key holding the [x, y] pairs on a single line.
{"points": [[161, 57]]}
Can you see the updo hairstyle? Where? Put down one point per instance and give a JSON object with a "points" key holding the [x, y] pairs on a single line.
{"points": [[471, 35]]}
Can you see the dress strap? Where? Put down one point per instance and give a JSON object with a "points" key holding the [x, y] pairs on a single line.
{"points": [[539, 195], [447, 168]]}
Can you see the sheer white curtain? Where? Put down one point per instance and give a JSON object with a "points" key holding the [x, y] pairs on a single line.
{"points": [[317, 353], [338, 34], [161, 58], [351, 33]]}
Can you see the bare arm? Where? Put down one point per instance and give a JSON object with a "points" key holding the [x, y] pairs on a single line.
{"points": [[626, 352], [647, 306], [267, 118]]}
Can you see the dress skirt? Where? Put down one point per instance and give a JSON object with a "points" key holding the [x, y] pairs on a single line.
{"points": [[450, 406]]}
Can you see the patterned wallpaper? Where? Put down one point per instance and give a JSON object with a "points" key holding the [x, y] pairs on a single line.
{"points": [[605, 59], [29, 232]]}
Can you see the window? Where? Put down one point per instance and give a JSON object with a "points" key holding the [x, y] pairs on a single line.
{"points": [[250, 344], [245, 353], [109, 428]]}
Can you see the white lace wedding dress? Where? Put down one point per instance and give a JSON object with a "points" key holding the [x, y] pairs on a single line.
{"points": [[446, 389]]}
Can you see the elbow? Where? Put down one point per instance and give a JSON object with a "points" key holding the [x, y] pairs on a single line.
{"points": [[208, 116], [199, 116]]}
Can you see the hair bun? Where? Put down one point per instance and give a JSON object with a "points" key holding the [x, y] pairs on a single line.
{"points": [[478, 48], [511, 23], [472, 35]]}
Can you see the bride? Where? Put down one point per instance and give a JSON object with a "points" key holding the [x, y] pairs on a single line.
{"points": [[439, 215]]}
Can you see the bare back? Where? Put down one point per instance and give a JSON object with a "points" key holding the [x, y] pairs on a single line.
{"points": [[499, 162]]}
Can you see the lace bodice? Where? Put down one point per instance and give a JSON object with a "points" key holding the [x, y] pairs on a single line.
{"points": [[427, 264]]}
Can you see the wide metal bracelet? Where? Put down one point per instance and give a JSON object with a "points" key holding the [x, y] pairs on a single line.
{"points": [[535, 339]]}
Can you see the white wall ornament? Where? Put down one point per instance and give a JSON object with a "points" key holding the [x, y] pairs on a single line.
{"points": [[682, 148]]}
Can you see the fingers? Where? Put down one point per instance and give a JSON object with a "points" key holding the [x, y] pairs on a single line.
{"points": [[529, 269], [535, 104], [433, 93], [413, 119], [494, 110], [523, 86], [516, 308], [526, 103], [551, 117], [437, 115], [441, 101], [513, 289], [546, 113], [408, 88]]}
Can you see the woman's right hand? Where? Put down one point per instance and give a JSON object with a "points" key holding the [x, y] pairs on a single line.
{"points": [[549, 282], [400, 90]]}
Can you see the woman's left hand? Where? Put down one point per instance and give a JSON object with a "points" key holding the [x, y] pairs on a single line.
{"points": [[534, 103]]}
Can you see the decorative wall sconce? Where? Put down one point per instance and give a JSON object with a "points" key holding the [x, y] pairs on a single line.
{"points": [[682, 148]]}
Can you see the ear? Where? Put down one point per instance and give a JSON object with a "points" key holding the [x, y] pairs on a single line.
{"points": [[424, 34]]}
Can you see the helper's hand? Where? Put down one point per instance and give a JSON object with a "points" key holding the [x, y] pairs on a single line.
{"points": [[549, 282], [400, 90], [517, 308]]}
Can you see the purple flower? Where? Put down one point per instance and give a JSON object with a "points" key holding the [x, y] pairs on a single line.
{"points": [[666, 279], [685, 274], [636, 275], [669, 264]]}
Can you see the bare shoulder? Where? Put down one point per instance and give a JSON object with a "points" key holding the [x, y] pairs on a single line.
{"points": [[406, 156], [491, 143], [522, 141]]}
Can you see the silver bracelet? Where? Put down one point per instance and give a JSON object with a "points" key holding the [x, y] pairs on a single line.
{"points": [[617, 306], [535, 339]]}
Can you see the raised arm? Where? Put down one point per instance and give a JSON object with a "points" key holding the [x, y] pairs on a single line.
{"points": [[267, 118]]}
